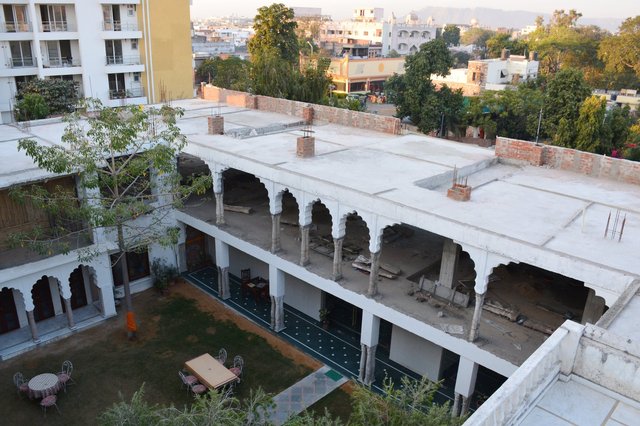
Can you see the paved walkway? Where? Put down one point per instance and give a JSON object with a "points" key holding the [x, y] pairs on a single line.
{"points": [[305, 393]]}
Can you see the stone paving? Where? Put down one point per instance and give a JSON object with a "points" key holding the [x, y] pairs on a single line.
{"points": [[305, 393]]}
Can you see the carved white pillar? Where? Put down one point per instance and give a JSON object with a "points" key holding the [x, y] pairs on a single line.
{"points": [[369, 336], [373, 276], [337, 258], [29, 307], [218, 190], [222, 264], [449, 263], [376, 226], [304, 210], [484, 262], [275, 208], [276, 292], [65, 290], [104, 282]]}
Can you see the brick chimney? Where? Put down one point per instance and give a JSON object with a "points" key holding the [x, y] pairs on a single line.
{"points": [[306, 144], [216, 124], [307, 114]]}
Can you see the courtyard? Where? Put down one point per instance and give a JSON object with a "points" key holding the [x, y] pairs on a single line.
{"points": [[172, 330]]}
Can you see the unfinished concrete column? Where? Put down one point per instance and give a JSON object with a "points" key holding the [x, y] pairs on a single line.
{"points": [[369, 335], [222, 264], [33, 326], [276, 292], [69, 311], [373, 276], [275, 233], [449, 263], [337, 258], [593, 308], [304, 244], [465, 386], [477, 313]]}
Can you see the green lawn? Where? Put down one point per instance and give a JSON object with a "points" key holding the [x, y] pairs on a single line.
{"points": [[172, 330]]}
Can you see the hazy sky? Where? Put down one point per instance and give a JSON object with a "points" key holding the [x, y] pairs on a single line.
{"points": [[343, 9]]}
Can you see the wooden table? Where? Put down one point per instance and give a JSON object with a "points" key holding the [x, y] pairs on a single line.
{"points": [[210, 372]]}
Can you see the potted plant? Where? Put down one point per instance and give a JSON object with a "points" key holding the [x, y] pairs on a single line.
{"points": [[324, 318], [163, 275]]}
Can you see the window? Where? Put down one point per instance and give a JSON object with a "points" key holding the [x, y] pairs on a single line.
{"points": [[366, 33], [131, 10], [111, 16], [134, 44], [15, 17], [136, 77], [114, 51], [21, 55], [117, 89], [54, 17], [137, 266]]}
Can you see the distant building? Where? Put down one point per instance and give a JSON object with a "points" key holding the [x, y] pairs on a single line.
{"points": [[491, 74], [363, 75], [134, 52]]}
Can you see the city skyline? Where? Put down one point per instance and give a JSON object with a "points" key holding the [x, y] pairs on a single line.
{"points": [[590, 9]]}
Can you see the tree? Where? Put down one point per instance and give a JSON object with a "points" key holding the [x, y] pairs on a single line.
{"points": [[564, 94], [478, 37], [413, 93], [504, 41], [231, 73], [125, 159], [451, 35], [60, 96], [314, 81], [461, 59], [32, 106], [621, 52], [275, 33], [271, 76], [590, 126]]}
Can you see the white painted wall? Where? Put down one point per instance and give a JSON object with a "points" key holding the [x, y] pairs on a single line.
{"points": [[415, 353], [239, 260], [302, 296]]}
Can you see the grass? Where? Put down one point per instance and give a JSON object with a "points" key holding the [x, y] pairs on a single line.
{"points": [[338, 403], [108, 366]]}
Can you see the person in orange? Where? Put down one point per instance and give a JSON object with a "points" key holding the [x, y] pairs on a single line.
{"points": [[132, 328]]}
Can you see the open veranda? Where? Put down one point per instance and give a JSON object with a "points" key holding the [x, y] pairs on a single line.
{"points": [[172, 330]]}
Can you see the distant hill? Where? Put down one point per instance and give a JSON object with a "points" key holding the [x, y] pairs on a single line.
{"points": [[495, 18]]}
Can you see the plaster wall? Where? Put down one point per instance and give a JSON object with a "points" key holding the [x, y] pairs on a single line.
{"points": [[302, 296], [415, 353], [239, 260]]}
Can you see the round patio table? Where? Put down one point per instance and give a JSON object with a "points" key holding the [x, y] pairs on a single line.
{"points": [[44, 385]]}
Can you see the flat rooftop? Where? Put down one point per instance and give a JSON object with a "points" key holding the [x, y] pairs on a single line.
{"points": [[403, 177]]}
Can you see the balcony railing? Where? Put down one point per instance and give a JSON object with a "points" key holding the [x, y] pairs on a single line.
{"points": [[23, 62], [15, 27], [135, 92], [119, 26], [61, 63], [57, 26], [123, 60]]}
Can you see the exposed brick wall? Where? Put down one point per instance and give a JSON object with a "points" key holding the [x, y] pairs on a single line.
{"points": [[344, 117], [514, 149], [556, 157]]}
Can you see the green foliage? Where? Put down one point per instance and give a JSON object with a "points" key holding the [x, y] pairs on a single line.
{"points": [[590, 126], [60, 96], [478, 37], [163, 273], [275, 34], [393, 54], [621, 52], [504, 41], [564, 94], [460, 59], [414, 94], [32, 106], [313, 81], [114, 152], [451, 35], [411, 404], [231, 73]]}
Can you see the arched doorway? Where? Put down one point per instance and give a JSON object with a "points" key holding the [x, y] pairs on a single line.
{"points": [[42, 300], [78, 289], [8, 312]]}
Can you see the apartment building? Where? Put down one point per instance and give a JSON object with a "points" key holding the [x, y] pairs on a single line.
{"points": [[121, 52]]}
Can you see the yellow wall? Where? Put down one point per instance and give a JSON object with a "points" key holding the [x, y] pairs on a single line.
{"points": [[169, 64]]}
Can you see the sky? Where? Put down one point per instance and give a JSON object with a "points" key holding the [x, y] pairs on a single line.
{"points": [[341, 9]]}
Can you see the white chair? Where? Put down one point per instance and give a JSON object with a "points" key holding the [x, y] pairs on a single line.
{"points": [[48, 402], [222, 356], [64, 376], [238, 366], [21, 383], [187, 380]]}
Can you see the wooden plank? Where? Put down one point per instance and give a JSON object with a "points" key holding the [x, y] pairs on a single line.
{"points": [[238, 209]]}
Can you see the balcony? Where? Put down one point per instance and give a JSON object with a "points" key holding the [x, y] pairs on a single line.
{"points": [[134, 92], [22, 62], [15, 27], [61, 63], [123, 60], [62, 26], [119, 26]]}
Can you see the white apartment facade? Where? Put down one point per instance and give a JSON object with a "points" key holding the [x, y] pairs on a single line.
{"points": [[94, 43]]}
